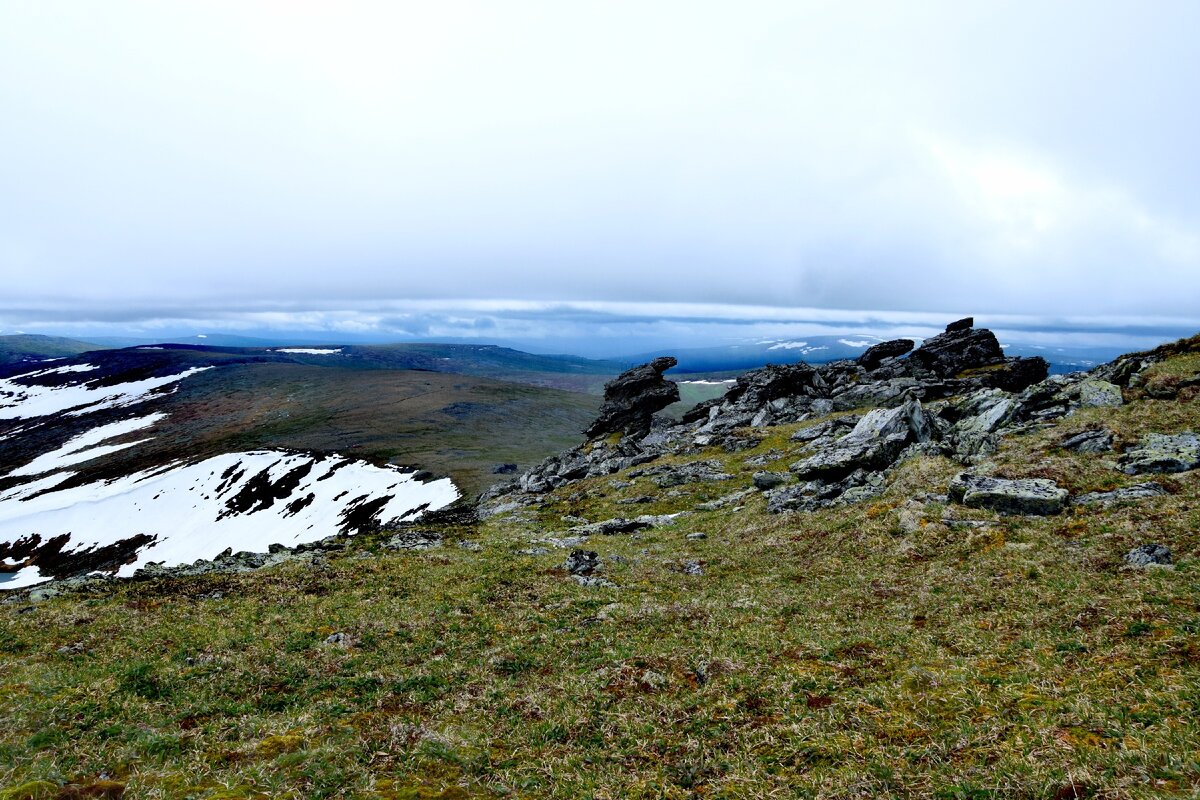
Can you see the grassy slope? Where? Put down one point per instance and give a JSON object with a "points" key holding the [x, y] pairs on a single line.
{"points": [[822, 655]]}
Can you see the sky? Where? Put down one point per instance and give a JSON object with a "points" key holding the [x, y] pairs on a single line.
{"points": [[631, 173]]}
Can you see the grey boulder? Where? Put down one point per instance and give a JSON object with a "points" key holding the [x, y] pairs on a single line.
{"points": [[1035, 496], [1159, 452]]}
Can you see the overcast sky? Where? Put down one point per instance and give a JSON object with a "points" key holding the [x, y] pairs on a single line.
{"points": [[326, 165]]}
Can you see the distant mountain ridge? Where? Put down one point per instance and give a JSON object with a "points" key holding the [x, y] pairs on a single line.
{"points": [[19, 347]]}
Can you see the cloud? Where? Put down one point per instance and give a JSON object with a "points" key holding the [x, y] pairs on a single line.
{"points": [[208, 158]]}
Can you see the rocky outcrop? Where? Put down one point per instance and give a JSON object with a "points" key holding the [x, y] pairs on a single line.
{"points": [[959, 348], [874, 443], [632, 398], [1021, 496], [877, 354], [956, 395]]}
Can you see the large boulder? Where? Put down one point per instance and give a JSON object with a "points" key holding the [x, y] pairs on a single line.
{"points": [[874, 443], [959, 348], [632, 398], [1022, 496], [1159, 452]]}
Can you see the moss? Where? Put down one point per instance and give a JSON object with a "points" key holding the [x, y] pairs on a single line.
{"points": [[31, 790]]}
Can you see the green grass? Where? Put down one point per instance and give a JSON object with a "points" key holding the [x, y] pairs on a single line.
{"points": [[820, 655]]}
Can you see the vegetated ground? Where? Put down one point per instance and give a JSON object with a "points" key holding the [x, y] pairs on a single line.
{"points": [[455, 425], [829, 654]]}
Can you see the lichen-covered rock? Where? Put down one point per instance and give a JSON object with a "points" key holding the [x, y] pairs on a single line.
{"points": [[1099, 394], [1092, 441], [1148, 555], [632, 398], [1036, 496], [1140, 491], [1159, 453]]}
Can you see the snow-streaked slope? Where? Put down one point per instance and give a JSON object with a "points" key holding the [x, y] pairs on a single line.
{"points": [[244, 501], [52, 524], [83, 447], [23, 401]]}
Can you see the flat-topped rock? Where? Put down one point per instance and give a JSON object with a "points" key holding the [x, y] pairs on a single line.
{"points": [[1036, 496], [1140, 491], [1160, 453]]}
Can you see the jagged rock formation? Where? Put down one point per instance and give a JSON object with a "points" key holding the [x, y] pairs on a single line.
{"points": [[632, 398], [956, 395]]}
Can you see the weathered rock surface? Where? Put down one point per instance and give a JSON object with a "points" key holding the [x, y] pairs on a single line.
{"points": [[1149, 555], [1094, 441], [1036, 496], [1099, 394], [582, 562], [877, 354], [632, 398], [1163, 453], [874, 443], [1140, 491], [959, 348]]}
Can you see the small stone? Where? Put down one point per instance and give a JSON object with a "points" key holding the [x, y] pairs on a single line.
{"points": [[467, 544], [1149, 555], [1098, 441], [533, 551], [696, 536], [338, 640], [582, 562], [693, 568], [769, 480]]}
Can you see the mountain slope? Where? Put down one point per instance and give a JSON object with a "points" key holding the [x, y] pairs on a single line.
{"points": [[915, 643]]}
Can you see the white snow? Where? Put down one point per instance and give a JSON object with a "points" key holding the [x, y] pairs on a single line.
{"points": [[83, 447], [855, 342], [308, 351], [201, 335], [184, 507], [788, 345], [152, 347], [18, 401], [58, 370], [26, 576], [709, 383]]}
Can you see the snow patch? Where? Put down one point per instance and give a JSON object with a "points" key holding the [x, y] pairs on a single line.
{"points": [[196, 510], [308, 351], [855, 342], [709, 383], [788, 346], [20, 401]]}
